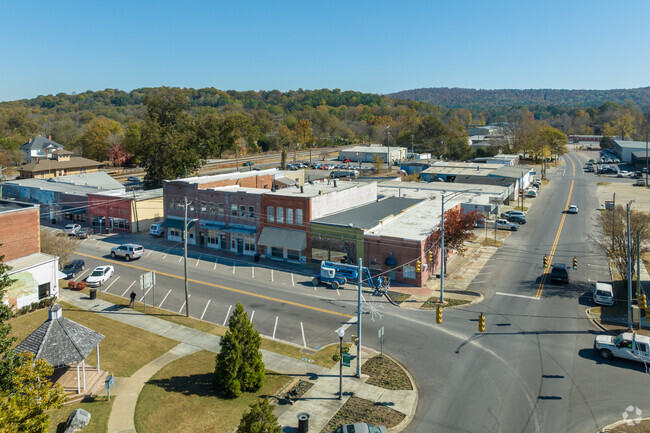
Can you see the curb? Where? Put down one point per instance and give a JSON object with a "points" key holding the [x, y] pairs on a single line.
{"points": [[409, 417], [598, 325], [618, 423]]}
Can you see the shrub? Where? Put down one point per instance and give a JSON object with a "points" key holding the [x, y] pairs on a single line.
{"points": [[81, 285], [33, 306], [72, 285], [23, 310]]}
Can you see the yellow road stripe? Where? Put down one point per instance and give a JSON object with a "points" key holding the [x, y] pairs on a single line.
{"points": [[557, 235], [230, 289]]}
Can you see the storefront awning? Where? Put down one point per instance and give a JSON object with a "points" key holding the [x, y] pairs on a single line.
{"points": [[212, 225], [177, 224], [241, 229], [283, 238], [73, 210]]}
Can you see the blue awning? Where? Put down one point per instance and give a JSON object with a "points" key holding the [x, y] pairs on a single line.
{"points": [[73, 210], [241, 229], [212, 225], [176, 224]]}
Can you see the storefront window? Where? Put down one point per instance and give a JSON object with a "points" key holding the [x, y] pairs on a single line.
{"points": [[204, 207], [242, 211], [293, 254], [277, 252], [233, 210], [289, 216], [280, 215], [211, 207], [409, 272], [270, 214], [298, 217], [220, 211], [251, 211]]}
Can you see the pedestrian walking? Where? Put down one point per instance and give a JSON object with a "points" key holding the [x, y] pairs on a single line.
{"points": [[132, 304]]}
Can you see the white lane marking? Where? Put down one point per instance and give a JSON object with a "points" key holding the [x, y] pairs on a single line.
{"points": [[252, 315], [97, 244], [183, 306], [337, 291], [78, 277], [477, 282], [145, 294], [197, 261], [161, 302], [129, 288], [292, 283], [517, 296], [180, 258], [315, 289], [252, 271], [165, 256], [349, 323], [271, 275], [215, 266], [275, 326], [205, 309], [150, 251], [304, 343], [112, 282], [233, 267], [227, 314]]}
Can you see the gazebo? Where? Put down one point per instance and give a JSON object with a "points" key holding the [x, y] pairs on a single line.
{"points": [[62, 342]]}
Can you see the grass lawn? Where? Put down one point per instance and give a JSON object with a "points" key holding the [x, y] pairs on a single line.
{"points": [[386, 373], [325, 356], [490, 242], [124, 349], [99, 408], [181, 398], [434, 301]]}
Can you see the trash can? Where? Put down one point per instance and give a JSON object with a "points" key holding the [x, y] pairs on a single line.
{"points": [[256, 257], [93, 293], [303, 422]]}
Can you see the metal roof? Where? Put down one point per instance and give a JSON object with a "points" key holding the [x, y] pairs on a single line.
{"points": [[80, 184], [45, 164], [40, 142], [369, 215], [12, 205], [29, 261]]}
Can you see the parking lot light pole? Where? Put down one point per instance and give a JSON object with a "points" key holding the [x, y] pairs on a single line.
{"points": [[341, 333]]}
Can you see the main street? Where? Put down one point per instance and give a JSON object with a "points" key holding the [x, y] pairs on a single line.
{"points": [[532, 370]]}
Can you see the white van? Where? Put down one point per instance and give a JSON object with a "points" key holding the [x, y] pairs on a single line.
{"points": [[604, 294], [156, 230]]}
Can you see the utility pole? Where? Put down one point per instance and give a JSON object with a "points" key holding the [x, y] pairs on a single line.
{"points": [[638, 267], [412, 151], [442, 252], [629, 272], [359, 319], [187, 296], [646, 153], [311, 139], [613, 222], [388, 145]]}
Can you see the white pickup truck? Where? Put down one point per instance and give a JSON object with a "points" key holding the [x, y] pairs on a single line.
{"points": [[503, 224], [627, 345]]}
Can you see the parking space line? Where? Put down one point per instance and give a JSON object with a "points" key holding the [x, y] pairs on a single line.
{"points": [[150, 251], [145, 294], [79, 276], [233, 267], [180, 258], [292, 283], [183, 306], [275, 326], [98, 242], [227, 314], [129, 288], [165, 256], [161, 302], [205, 309], [215, 266], [252, 315], [271, 275], [252, 271], [197, 261], [112, 282], [337, 291], [304, 343]]}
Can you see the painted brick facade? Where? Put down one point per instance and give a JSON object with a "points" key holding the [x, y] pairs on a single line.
{"points": [[20, 233], [287, 202]]}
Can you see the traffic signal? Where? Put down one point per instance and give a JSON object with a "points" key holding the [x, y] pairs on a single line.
{"points": [[418, 265], [545, 261], [643, 304], [575, 263], [481, 323], [438, 314], [431, 256]]}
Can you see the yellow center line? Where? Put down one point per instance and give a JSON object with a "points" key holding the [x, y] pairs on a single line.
{"points": [[557, 235], [230, 289]]}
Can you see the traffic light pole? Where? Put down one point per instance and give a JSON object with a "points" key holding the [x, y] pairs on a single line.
{"points": [[442, 252]]}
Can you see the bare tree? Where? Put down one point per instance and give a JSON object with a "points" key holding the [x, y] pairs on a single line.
{"points": [[60, 246], [611, 236]]}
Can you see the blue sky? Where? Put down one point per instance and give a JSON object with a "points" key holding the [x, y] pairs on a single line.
{"points": [[369, 46]]}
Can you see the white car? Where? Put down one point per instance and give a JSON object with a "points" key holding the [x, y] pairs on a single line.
{"points": [[71, 229], [572, 209], [100, 275], [627, 345], [623, 173]]}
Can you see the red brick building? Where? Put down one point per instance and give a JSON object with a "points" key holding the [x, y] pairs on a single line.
{"points": [[126, 212], [19, 229]]}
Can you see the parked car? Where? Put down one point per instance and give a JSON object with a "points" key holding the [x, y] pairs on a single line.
{"points": [[517, 219], [84, 232], [156, 230], [133, 179], [73, 268], [361, 428], [503, 224], [628, 345], [604, 294], [346, 160], [559, 273], [622, 173], [640, 182], [510, 213], [530, 193], [572, 209], [100, 275], [71, 229], [128, 251]]}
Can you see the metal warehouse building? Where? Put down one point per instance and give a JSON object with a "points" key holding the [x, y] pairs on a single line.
{"points": [[366, 153]]}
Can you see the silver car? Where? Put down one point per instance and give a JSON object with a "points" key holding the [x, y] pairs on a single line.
{"points": [[361, 427], [128, 251]]}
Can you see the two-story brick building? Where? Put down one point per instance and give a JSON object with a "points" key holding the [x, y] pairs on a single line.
{"points": [[129, 212]]}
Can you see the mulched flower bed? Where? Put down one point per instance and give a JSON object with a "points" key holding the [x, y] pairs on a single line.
{"points": [[398, 297], [385, 373], [298, 390], [361, 410], [434, 301]]}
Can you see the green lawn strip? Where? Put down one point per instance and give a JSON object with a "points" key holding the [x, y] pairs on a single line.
{"points": [[434, 301], [325, 356], [490, 242], [181, 398], [360, 410], [386, 373], [214, 329], [99, 408], [398, 297]]}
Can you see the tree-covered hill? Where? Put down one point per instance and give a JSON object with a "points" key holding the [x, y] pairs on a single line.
{"points": [[487, 99]]}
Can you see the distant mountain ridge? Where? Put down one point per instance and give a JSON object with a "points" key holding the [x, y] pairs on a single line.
{"points": [[477, 98]]}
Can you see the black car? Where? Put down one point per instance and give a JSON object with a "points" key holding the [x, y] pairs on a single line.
{"points": [[517, 219], [84, 232], [559, 273], [73, 268]]}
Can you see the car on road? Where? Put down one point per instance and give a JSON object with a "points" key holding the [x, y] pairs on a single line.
{"points": [[133, 179], [71, 229], [559, 273], [628, 345], [623, 173], [73, 268], [517, 219], [156, 229], [640, 182], [128, 251], [604, 294], [572, 209], [84, 232], [361, 428], [100, 275]]}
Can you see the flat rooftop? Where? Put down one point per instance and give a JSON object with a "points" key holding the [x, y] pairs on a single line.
{"points": [[78, 184], [440, 187], [29, 261], [630, 144], [466, 164], [12, 205], [475, 170], [369, 215], [224, 176], [138, 195], [316, 188]]}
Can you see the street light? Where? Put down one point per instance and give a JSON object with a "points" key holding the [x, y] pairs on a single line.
{"points": [[341, 333], [629, 271]]}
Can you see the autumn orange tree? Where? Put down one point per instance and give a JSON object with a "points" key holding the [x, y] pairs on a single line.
{"points": [[459, 224]]}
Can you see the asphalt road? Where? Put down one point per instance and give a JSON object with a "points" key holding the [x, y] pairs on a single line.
{"points": [[533, 370]]}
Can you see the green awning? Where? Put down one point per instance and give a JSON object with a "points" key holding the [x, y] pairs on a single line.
{"points": [[73, 210], [177, 224], [283, 238]]}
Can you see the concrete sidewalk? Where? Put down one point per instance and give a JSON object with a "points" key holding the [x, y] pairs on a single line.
{"points": [[321, 401]]}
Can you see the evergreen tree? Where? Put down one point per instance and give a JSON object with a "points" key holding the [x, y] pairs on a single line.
{"points": [[8, 359], [259, 419], [239, 365]]}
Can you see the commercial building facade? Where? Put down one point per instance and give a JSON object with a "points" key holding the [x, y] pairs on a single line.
{"points": [[367, 153], [129, 212]]}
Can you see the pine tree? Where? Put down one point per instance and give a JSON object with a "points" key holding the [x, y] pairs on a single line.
{"points": [[259, 419], [8, 359], [239, 363]]}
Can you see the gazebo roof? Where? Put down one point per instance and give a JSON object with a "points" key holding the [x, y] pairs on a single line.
{"points": [[60, 341]]}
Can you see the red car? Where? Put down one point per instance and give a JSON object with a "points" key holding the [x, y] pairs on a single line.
{"points": [[346, 160]]}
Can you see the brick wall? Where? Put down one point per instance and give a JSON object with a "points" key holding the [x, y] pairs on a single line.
{"points": [[264, 181], [287, 202], [19, 233]]}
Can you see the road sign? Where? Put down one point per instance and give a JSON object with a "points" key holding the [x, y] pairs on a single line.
{"points": [[147, 280], [346, 359], [381, 340], [381, 332]]}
